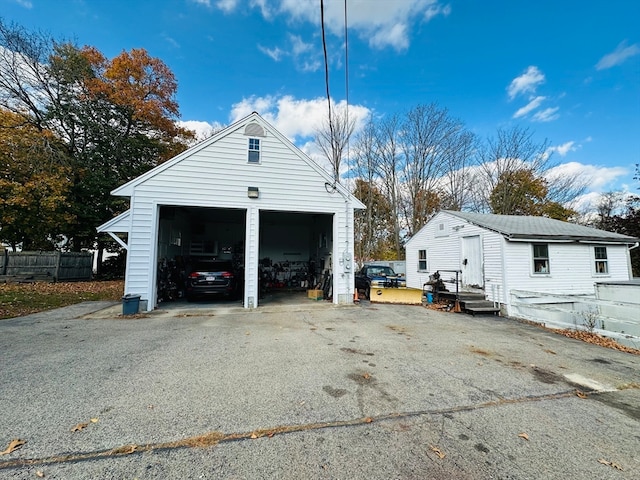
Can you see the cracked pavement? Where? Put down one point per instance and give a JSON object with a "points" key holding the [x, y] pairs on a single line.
{"points": [[370, 391]]}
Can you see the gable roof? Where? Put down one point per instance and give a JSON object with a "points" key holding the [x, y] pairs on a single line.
{"points": [[127, 188], [519, 227], [118, 224]]}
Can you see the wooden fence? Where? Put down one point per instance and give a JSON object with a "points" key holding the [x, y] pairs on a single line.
{"points": [[45, 266]]}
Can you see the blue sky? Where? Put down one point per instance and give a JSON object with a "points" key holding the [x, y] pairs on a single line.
{"points": [[568, 70]]}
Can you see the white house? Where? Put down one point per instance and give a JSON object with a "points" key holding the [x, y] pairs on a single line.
{"points": [[246, 193], [502, 254]]}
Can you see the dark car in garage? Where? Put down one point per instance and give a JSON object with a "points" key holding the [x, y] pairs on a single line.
{"points": [[212, 278]]}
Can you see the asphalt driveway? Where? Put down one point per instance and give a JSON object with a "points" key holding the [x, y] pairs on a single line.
{"points": [[371, 391]]}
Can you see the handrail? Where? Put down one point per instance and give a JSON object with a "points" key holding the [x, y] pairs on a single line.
{"points": [[457, 272]]}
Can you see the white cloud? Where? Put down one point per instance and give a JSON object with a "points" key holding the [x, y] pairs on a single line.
{"points": [[532, 105], [226, 6], [547, 115], [383, 23], [202, 129], [435, 10], [310, 65], [275, 53], [394, 35], [298, 46], [301, 52], [618, 56], [24, 3], [600, 178], [296, 119], [563, 149], [171, 41], [525, 83]]}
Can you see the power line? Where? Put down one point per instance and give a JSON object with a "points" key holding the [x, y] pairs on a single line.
{"points": [[326, 73]]}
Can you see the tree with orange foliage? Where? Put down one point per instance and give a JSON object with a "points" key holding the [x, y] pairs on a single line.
{"points": [[34, 186], [115, 118]]}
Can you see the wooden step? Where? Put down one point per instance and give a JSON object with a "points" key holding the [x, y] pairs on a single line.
{"points": [[487, 307]]}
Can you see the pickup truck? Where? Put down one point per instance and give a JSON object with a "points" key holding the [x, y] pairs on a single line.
{"points": [[377, 276]]}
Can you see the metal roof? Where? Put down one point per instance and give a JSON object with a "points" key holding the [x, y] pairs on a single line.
{"points": [[539, 228]]}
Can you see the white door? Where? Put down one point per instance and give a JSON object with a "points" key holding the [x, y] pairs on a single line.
{"points": [[471, 259]]}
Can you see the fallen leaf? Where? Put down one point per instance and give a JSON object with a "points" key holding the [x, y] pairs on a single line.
{"points": [[524, 435], [13, 446], [254, 436], [368, 420], [581, 394], [79, 427], [610, 464], [39, 474], [94, 420], [366, 376], [437, 451]]}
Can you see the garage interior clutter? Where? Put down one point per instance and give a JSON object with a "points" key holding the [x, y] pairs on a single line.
{"points": [[295, 248]]}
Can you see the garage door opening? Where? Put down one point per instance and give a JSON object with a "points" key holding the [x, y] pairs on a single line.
{"points": [[294, 257], [205, 240]]}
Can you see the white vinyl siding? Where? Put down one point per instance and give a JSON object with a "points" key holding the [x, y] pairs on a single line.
{"points": [[509, 265], [218, 175], [571, 266], [443, 252]]}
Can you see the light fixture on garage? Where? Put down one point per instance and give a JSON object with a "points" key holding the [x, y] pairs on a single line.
{"points": [[253, 192]]}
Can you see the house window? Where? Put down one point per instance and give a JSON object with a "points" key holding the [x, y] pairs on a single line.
{"points": [[422, 260], [254, 150], [602, 264], [541, 258]]}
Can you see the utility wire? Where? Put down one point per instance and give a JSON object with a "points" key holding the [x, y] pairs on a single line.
{"points": [[326, 82], [346, 81]]}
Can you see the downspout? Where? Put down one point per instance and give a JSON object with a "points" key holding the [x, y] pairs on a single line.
{"points": [[636, 245], [505, 288]]}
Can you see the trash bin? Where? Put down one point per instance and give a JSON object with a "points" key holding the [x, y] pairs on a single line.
{"points": [[130, 304]]}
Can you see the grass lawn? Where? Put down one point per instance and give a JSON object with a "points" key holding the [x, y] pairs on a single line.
{"points": [[17, 299]]}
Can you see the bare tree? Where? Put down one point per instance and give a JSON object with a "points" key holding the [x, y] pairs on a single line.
{"points": [[387, 166], [27, 87], [430, 142], [333, 137], [458, 156], [364, 156], [514, 150]]}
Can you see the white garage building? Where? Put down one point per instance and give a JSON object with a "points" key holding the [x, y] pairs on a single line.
{"points": [[245, 194]]}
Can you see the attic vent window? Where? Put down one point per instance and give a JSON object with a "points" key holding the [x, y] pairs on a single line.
{"points": [[442, 229], [254, 130], [254, 150]]}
